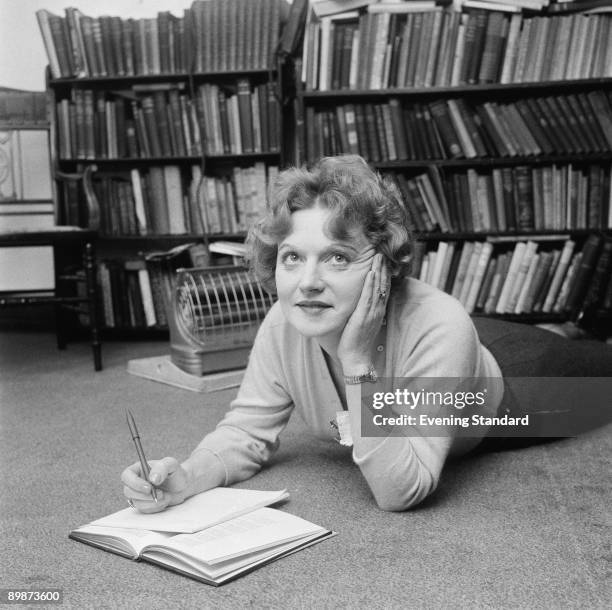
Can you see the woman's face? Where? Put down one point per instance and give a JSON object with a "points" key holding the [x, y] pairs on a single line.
{"points": [[318, 278]]}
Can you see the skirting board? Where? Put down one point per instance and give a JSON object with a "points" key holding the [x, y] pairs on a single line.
{"points": [[162, 369]]}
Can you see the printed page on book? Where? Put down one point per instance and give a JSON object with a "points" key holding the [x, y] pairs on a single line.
{"points": [[229, 570], [196, 513], [255, 531], [228, 549]]}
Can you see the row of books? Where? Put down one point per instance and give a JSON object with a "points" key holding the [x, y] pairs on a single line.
{"points": [[244, 120], [530, 277], [167, 201], [136, 291], [445, 47], [461, 128], [523, 198], [210, 36], [235, 119]]}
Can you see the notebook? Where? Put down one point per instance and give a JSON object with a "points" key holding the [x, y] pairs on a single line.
{"points": [[213, 537]]}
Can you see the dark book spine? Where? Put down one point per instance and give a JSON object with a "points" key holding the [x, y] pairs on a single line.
{"points": [[274, 118], [261, 91], [590, 253], [534, 126], [244, 110], [118, 45], [595, 294], [524, 198], [163, 125], [399, 132], [176, 123], [372, 133], [595, 198], [474, 54], [153, 136], [442, 119]]}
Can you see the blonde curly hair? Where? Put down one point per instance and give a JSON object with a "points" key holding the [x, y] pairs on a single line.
{"points": [[355, 194]]}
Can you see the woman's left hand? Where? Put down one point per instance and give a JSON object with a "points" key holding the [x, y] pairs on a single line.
{"points": [[357, 342]]}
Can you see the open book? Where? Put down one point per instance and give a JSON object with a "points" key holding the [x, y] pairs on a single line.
{"points": [[226, 533]]}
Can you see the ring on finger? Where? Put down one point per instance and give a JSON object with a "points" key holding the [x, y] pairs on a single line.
{"points": [[382, 295], [129, 501]]}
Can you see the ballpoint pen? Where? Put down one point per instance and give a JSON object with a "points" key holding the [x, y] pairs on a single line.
{"points": [[141, 456]]}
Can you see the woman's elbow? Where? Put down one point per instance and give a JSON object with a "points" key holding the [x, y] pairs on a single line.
{"points": [[399, 498]]}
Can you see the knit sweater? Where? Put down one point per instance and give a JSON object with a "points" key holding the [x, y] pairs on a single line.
{"points": [[426, 333]]}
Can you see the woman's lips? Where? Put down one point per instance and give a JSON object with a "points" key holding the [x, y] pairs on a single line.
{"points": [[313, 307]]}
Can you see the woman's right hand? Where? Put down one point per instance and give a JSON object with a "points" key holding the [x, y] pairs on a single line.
{"points": [[167, 476]]}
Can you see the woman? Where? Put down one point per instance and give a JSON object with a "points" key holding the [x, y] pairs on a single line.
{"points": [[334, 248]]}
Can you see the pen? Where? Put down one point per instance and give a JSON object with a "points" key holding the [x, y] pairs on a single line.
{"points": [[141, 456]]}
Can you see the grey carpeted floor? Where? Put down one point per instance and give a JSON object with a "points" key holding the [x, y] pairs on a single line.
{"points": [[523, 529]]}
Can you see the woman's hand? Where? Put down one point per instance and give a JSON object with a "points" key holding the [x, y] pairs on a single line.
{"points": [[356, 344], [167, 476]]}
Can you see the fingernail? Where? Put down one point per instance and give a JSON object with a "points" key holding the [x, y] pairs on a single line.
{"points": [[146, 488], [155, 478]]}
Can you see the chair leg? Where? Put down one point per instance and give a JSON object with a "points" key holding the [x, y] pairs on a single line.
{"points": [[92, 298], [60, 314], [59, 327]]}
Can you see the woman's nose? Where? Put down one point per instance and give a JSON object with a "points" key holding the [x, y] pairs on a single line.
{"points": [[311, 278]]}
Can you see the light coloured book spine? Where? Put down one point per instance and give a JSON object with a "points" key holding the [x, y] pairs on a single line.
{"points": [[464, 260], [107, 295], [567, 283], [440, 258], [325, 54], [354, 65], [458, 58], [517, 257], [470, 273], [380, 43], [174, 198], [448, 259], [141, 217], [469, 150], [481, 267], [511, 53], [147, 297], [521, 274], [424, 268], [560, 272], [520, 304]]}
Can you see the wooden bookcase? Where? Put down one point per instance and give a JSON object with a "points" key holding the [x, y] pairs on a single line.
{"points": [[497, 132], [182, 118]]}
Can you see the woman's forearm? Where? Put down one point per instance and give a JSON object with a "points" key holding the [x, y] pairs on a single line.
{"points": [[204, 471]]}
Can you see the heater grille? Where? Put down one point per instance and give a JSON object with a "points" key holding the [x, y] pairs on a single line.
{"points": [[216, 312]]}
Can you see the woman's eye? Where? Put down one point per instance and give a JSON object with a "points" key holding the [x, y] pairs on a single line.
{"points": [[289, 258], [339, 259]]}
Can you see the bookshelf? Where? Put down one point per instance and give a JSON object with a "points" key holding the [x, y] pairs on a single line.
{"points": [[182, 117], [496, 126]]}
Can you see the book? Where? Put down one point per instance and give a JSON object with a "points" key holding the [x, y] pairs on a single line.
{"points": [[213, 537], [590, 254]]}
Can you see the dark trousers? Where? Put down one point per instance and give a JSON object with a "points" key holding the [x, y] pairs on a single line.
{"points": [[524, 351]]}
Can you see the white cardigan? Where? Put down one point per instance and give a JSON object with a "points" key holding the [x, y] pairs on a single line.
{"points": [[427, 333]]}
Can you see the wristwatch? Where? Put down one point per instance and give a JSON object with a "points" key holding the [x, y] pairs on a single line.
{"points": [[356, 379]]}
